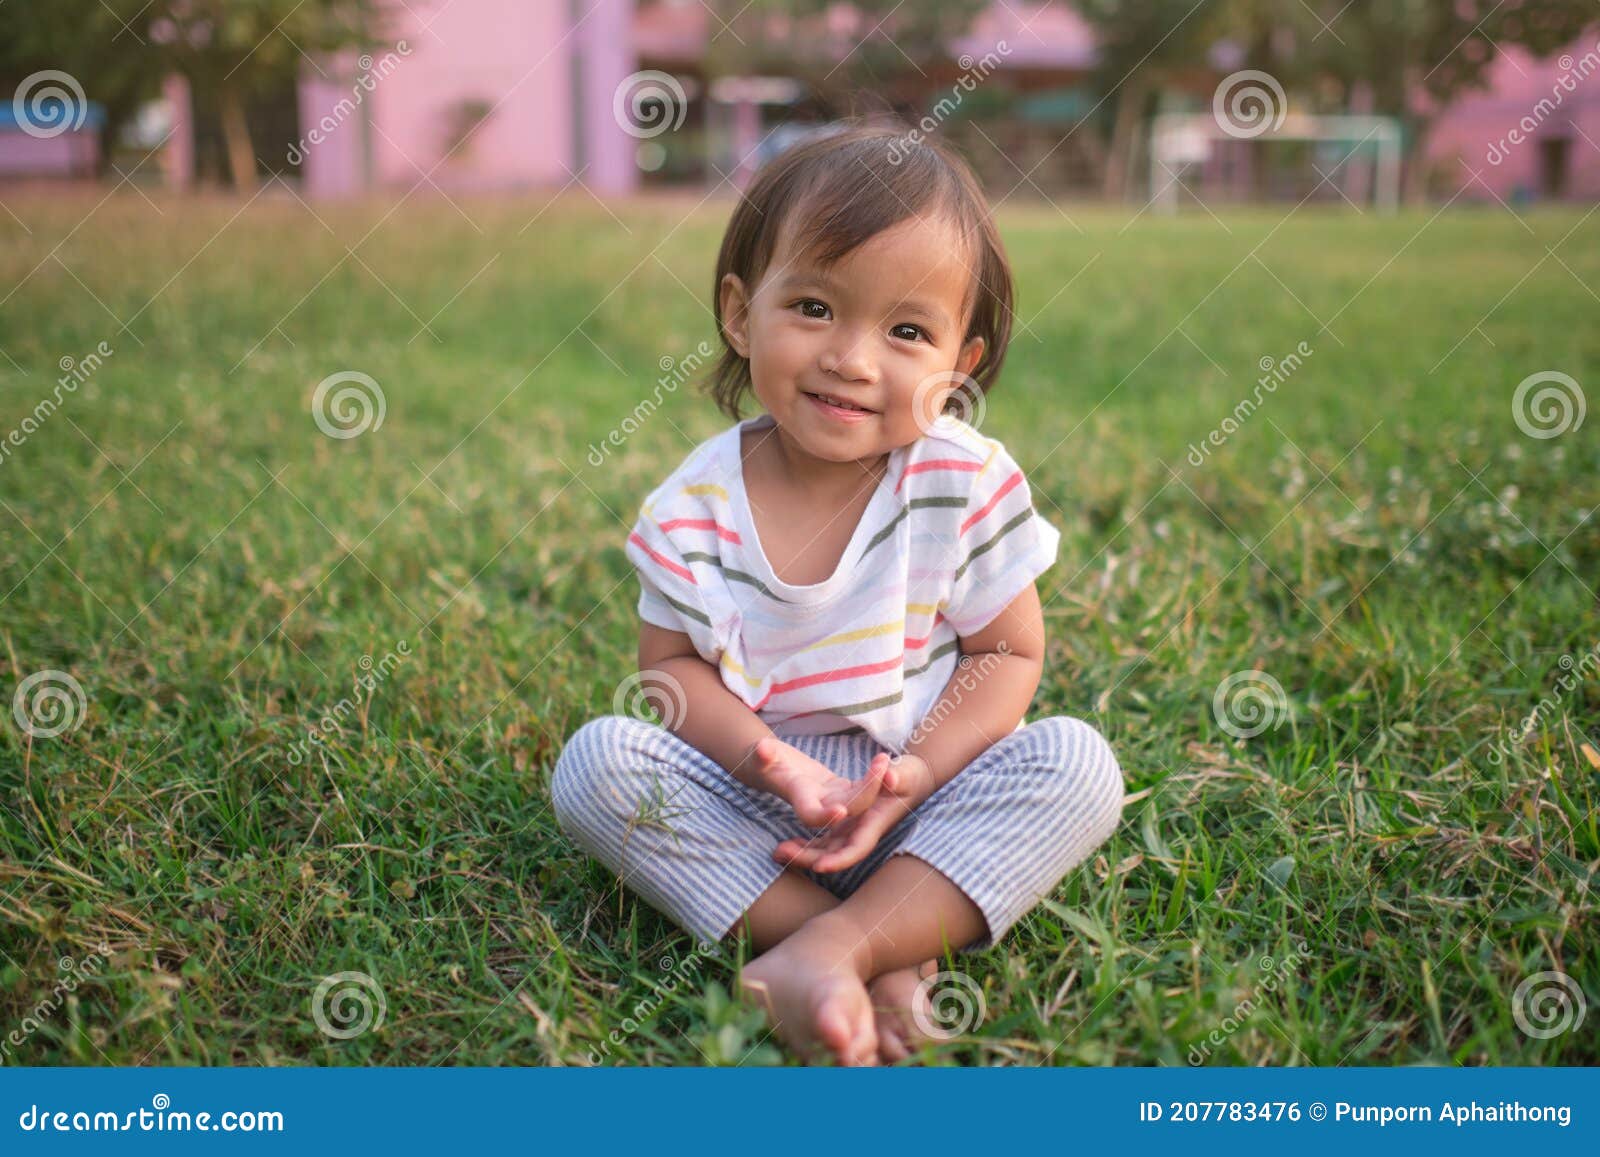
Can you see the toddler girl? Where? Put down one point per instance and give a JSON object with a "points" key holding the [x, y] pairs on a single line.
{"points": [[840, 627]]}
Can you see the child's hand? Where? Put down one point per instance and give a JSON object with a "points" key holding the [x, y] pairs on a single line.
{"points": [[818, 796], [907, 781]]}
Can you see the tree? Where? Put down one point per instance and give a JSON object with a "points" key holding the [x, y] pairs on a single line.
{"points": [[898, 42], [230, 49], [1398, 50], [1143, 46], [1402, 49], [86, 40], [119, 50]]}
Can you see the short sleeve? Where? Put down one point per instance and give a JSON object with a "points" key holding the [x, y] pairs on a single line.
{"points": [[1003, 545], [670, 593]]}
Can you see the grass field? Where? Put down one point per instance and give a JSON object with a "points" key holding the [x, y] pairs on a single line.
{"points": [[1382, 538]]}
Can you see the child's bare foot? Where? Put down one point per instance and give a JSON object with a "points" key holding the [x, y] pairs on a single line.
{"points": [[809, 987], [818, 796], [894, 997]]}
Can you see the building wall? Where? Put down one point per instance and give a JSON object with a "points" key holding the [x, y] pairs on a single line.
{"points": [[1513, 134], [527, 62]]}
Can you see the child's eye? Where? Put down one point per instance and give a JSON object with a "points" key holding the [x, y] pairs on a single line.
{"points": [[908, 332], [806, 307]]}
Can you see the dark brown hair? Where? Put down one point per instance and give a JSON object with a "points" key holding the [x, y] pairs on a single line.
{"points": [[842, 190]]}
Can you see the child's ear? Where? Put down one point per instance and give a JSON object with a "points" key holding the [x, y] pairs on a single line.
{"points": [[735, 313], [971, 354]]}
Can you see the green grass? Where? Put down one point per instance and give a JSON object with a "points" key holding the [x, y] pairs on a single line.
{"points": [[1380, 537]]}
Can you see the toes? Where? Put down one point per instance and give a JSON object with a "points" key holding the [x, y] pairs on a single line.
{"points": [[891, 1046], [866, 1043], [834, 1030]]}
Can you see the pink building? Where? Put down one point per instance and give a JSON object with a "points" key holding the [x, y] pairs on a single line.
{"points": [[505, 94], [1534, 133], [490, 94]]}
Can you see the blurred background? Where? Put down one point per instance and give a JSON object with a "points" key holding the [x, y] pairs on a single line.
{"points": [[1143, 100]]}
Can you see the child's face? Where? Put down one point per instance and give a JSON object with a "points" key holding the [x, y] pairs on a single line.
{"points": [[880, 329]]}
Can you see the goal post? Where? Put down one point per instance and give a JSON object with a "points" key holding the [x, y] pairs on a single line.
{"points": [[1189, 150]]}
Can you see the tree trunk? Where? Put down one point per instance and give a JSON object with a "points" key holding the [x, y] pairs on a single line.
{"points": [[1414, 178], [236, 135], [1130, 110]]}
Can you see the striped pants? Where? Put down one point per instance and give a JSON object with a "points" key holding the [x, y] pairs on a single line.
{"points": [[696, 844]]}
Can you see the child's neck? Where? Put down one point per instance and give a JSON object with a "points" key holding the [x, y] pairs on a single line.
{"points": [[827, 480]]}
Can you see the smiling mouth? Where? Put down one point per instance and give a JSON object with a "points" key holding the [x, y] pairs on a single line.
{"points": [[839, 402]]}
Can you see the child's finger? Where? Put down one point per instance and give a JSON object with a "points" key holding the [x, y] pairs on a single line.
{"points": [[858, 797], [866, 793], [861, 840], [797, 857], [868, 829], [805, 853]]}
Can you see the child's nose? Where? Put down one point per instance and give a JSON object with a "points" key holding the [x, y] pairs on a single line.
{"points": [[851, 362]]}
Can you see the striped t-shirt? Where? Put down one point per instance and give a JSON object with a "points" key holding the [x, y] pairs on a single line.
{"points": [[948, 540]]}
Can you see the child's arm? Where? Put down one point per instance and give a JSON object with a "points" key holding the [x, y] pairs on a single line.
{"points": [[982, 702], [700, 710]]}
